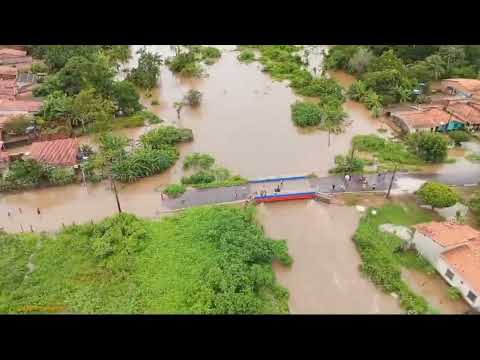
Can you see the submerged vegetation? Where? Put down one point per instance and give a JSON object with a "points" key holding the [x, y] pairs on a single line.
{"points": [[188, 58], [283, 62], [214, 260], [383, 255]]}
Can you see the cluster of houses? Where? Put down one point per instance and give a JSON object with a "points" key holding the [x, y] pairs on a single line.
{"points": [[454, 250], [458, 109], [16, 84]]}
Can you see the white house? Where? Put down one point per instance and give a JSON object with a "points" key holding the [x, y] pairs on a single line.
{"points": [[454, 250]]}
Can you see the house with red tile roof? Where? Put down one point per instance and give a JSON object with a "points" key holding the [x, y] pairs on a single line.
{"points": [[454, 250], [10, 56], [421, 119], [13, 107], [468, 112], [8, 73], [56, 152], [469, 88], [8, 89]]}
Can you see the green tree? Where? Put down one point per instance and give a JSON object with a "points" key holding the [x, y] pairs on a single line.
{"points": [[359, 62], [56, 106], [80, 73], [126, 97], [453, 56], [438, 195], [166, 135], [431, 147], [147, 72], [57, 56], [88, 107]]}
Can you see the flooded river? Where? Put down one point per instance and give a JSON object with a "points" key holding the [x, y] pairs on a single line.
{"points": [[244, 122], [324, 277]]}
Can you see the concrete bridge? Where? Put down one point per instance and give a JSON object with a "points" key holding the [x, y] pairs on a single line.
{"points": [[291, 188], [309, 187]]}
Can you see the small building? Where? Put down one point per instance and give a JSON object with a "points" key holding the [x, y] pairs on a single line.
{"points": [[469, 88], [468, 112], [13, 107], [56, 152], [432, 118], [8, 73], [8, 89], [454, 250], [14, 57]]}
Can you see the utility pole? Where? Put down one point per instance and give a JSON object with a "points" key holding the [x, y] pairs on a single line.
{"points": [[114, 187], [391, 181]]}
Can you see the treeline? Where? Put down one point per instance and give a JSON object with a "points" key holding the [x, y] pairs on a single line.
{"points": [[82, 89], [391, 74]]}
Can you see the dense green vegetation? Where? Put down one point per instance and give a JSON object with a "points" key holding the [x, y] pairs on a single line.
{"points": [[193, 98], [198, 160], [416, 150], [27, 174], [155, 154], [147, 72], [390, 74], [383, 255], [207, 260], [438, 195], [246, 56], [431, 147], [82, 91]]}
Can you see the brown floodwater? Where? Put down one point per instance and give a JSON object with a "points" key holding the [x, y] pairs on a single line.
{"points": [[324, 277], [244, 122]]}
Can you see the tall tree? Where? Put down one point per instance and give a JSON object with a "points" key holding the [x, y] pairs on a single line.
{"points": [[146, 74]]}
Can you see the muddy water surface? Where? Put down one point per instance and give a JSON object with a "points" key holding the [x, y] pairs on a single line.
{"points": [[324, 277], [244, 122]]}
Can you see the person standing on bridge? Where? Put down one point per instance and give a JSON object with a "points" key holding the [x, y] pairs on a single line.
{"points": [[333, 187]]}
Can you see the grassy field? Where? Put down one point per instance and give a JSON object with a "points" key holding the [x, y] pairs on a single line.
{"points": [[207, 260], [383, 256]]}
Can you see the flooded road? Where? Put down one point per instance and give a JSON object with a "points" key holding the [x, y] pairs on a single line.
{"points": [[243, 121], [324, 277]]}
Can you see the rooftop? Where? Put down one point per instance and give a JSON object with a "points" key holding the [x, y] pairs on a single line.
{"points": [[20, 105], [12, 52], [8, 70], [448, 234], [465, 111], [56, 152], [423, 118], [468, 84], [465, 260]]}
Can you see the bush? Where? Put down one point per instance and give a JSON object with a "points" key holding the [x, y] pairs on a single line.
{"points": [[128, 122], [306, 114], [198, 160], [246, 56], [60, 176], [166, 135], [344, 165], [25, 173], [18, 124], [438, 195], [201, 177], [431, 147], [143, 162], [113, 146], [454, 293], [459, 136], [39, 68], [175, 190], [193, 97], [209, 52]]}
